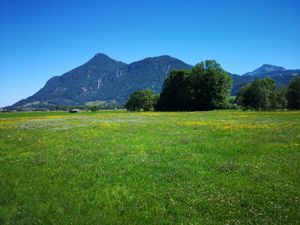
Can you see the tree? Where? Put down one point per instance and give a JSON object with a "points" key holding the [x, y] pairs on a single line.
{"points": [[293, 94], [177, 93], [143, 100], [240, 99], [212, 85], [278, 99], [205, 87], [94, 108], [261, 94]]}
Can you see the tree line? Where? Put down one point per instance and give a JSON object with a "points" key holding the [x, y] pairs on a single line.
{"points": [[207, 87], [262, 94]]}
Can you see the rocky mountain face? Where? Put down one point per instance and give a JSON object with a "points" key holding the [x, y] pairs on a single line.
{"points": [[104, 79]]}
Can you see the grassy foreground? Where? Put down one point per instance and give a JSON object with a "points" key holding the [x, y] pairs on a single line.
{"points": [[219, 167]]}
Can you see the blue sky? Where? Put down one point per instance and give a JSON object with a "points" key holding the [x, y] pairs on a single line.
{"points": [[40, 39]]}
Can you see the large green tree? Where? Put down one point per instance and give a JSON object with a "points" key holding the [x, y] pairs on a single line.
{"points": [[177, 93], [205, 87], [142, 100], [212, 85], [293, 94]]}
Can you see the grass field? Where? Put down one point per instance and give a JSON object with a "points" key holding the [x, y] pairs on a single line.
{"points": [[218, 167]]}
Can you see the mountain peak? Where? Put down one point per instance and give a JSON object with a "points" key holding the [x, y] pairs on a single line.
{"points": [[102, 59], [101, 56], [164, 56], [162, 59], [157, 58], [269, 67], [265, 69]]}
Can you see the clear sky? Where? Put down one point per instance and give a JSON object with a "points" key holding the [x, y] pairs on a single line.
{"points": [[43, 38]]}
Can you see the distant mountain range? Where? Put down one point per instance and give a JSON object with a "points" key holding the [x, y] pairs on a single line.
{"points": [[103, 80], [281, 75]]}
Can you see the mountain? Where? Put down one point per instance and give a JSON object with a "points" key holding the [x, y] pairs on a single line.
{"points": [[264, 70], [148, 73], [104, 79]]}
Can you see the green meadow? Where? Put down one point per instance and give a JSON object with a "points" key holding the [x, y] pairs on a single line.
{"points": [[116, 167]]}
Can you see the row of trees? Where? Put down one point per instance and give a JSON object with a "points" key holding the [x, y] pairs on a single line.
{"points": [[205, 87], [263, 94]]}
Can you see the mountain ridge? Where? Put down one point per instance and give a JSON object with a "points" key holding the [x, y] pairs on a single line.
{"points": [[103, 78]]}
